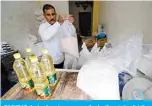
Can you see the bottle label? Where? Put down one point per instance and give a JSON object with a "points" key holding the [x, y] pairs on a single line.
{"points": [[43, 92], [52, 78], [28, 86], [137, 95]]}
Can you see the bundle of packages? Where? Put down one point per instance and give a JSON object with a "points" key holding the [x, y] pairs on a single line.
{"points": [[99, 77], [95, 52]]}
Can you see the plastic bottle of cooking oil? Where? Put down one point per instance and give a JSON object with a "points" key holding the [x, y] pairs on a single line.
{"points": [[47, 63], [22, 73], [27, 59], [39, 78]]}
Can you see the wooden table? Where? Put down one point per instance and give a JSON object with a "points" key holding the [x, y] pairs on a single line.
{"points": [[65, 89]]}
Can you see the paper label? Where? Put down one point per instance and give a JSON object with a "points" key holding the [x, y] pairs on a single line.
{"points": [[137, 95], [52, 78], [27, 86], [43, 92]]}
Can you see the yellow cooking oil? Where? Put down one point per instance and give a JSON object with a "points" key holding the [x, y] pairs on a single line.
{"points": [[39, 78], [47, 63], [28, 55], [23, 76]]}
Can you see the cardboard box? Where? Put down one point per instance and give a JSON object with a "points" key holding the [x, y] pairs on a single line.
{"points": [[91, 40], [101, 42]]}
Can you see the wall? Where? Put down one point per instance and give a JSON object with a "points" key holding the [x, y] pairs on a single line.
{"points": [[60, 6], [75, 11], [18, 20], [124, 18]]}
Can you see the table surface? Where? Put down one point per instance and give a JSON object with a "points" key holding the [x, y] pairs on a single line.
{"points": [[65, 89]]}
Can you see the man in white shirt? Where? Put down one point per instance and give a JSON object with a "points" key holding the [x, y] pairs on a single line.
{"points": [[49, 33]]}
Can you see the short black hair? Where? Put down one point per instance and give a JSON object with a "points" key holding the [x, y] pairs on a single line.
{"points": [[47, 6]]}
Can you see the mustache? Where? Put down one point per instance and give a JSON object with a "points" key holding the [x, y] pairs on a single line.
{"points": [[52, 20]]}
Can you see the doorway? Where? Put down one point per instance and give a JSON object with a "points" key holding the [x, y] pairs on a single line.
{"points": [[83, 16], [83, 13], [85, 23]]}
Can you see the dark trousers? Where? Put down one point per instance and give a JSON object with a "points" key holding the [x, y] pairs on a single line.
{"points": [[59, 65]]}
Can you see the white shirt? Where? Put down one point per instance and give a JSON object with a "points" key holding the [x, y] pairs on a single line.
{"points": [[50, 36]]}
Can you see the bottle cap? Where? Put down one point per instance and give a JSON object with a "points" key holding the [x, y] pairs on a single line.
{"points": [[17, 55], [33, 59], [28, 50], [45, 51]]}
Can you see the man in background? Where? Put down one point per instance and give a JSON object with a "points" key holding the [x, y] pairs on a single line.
{"points": [[50, 34]]}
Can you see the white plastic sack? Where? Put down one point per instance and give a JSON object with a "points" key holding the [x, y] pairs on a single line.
{"points": [[106, 50], [95, 50], [145, 62], [75, 63], [145, 66], [99, 80], [40, 18], [32, 38], [70, 62], [38, 13], [69, 43], [84, 56], [126, 55], [147, 49]]}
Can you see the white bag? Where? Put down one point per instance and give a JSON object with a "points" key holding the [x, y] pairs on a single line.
{"points": [[99, 78], [84, 56], [70, 62], [145, 62], [69, 43], [106, 50], [126, 55], [95, 50], [147, 49], [75, 63]]}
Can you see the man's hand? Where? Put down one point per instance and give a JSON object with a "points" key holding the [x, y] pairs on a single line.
{"points": [[71, 18], [61, 19], [64, 17]]}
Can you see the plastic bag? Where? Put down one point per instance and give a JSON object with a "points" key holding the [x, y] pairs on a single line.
{"points": [[95, 50], [107, 49], [147, 49], [70, 62], [75, 63], [145, 62], [40, 18], [84, 56], [126, 55], [69, 43], [99, 78]]}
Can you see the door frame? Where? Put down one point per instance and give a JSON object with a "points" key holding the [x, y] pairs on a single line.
{"points": [[95, 16]]}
